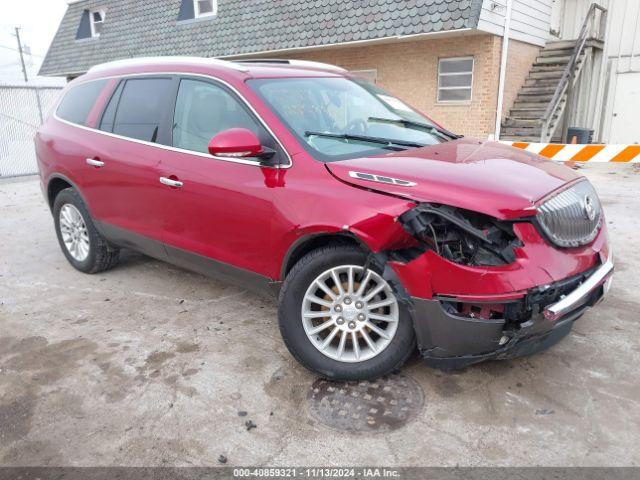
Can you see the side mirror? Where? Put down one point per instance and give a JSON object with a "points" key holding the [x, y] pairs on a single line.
{"points": [[238, 143]]}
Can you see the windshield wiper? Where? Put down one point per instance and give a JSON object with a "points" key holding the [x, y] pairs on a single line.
{"points": [[389, 143], [418, 126]]}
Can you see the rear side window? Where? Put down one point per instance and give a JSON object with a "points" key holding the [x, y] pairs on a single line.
{"points": [[137, 111], [78, 102]]}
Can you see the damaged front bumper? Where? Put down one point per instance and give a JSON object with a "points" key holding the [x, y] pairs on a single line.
{"points": [[450, 340]]}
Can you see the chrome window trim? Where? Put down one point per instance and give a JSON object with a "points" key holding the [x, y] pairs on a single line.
{"points": [[175, 149]]}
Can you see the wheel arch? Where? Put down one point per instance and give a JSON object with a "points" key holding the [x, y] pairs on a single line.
{"points": [[55, 186], [58, 182], [308, 243]]}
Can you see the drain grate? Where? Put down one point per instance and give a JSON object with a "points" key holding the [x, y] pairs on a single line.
{"points": [[368, 406]]}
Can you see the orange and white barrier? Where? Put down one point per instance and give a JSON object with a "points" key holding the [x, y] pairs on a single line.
{"points": [[582, 153]]}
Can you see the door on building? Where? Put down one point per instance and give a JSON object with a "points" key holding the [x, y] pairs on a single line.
{"points": [[624, 125]]}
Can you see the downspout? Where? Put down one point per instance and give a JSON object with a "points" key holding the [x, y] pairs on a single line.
{"points": [[503, 69]]}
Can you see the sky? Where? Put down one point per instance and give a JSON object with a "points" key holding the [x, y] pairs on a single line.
{"points": [[39, 20]]}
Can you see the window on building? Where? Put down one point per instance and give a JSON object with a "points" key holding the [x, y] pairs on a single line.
{"points": [[202, 111], [140, 108], [455, 79], [197, 9], [205, 8], [78, 102], [97, 21]]}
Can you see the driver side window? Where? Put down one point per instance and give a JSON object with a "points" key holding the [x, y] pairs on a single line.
{"points": [[202, 111]]}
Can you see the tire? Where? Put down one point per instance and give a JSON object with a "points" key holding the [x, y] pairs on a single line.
{"points": [[339, 361], [97, 255]]}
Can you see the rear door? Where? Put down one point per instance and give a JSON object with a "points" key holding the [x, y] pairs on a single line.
{"points": [[123, 188], [223, 209]]}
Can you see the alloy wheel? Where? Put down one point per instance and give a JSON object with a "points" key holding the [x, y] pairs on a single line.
{"points": [[74, 232], [350, 315]]}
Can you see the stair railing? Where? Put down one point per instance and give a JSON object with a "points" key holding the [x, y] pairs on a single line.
{"points": [[569, 77]]}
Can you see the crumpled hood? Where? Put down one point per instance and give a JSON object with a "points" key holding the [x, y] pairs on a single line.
{"points": [[488, 177]]}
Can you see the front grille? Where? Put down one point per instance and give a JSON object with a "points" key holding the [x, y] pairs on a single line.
{"points": [[571, 218]]}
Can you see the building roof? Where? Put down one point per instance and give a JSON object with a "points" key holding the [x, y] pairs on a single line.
{"points": [[242, 27]]}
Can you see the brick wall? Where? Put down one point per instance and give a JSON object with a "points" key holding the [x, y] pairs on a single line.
{"points": [[410, 71], [521, 58]]}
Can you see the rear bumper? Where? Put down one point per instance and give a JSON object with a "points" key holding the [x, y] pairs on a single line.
{"points": [[449, 340]]}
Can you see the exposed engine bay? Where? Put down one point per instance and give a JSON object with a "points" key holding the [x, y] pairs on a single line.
{"points": [[462, 236]]}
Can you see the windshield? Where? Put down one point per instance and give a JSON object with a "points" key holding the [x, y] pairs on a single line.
{"points": [[342, 118]]}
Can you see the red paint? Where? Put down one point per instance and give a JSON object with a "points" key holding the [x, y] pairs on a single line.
{"points": [[537, 263], [250, 216], [236, 142], [489, 177]]}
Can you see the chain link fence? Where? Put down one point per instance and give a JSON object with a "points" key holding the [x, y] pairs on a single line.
{"points": [[22, 111]]}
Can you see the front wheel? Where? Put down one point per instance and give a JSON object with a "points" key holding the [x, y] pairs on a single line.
{"points": [[342, 321]]}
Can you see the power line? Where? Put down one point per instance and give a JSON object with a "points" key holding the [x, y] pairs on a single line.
{"points": [[18, 51]]}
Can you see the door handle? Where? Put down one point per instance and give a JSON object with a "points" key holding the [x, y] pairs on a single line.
{"points": [[170, 182], [94, 162]]}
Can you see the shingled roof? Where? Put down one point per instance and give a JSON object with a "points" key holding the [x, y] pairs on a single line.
{"points": [[151, 28]]}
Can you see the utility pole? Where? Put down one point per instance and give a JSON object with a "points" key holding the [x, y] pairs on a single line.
{"points": [[24, 68]]}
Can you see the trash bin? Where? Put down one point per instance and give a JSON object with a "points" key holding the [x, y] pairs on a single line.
{"points": [[583, 135]]}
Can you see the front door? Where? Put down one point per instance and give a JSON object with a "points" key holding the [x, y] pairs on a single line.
{"points": [[220, 210]]}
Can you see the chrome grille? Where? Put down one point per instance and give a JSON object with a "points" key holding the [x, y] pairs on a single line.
{"points": [[572, 217]]}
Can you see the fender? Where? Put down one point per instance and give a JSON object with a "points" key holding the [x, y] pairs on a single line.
{"points": [[308, 242]]}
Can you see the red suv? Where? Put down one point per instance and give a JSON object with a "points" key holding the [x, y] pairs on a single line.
{"points": [[381, 231]]}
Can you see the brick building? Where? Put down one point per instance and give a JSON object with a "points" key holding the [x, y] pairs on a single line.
{"points": [[441, 56]]}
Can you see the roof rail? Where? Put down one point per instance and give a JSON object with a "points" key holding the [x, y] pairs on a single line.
{"points": [[133, 62], [293, 63]]}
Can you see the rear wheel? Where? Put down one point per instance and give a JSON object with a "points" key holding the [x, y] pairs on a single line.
{"points": [[341, 320], [82, 245]]}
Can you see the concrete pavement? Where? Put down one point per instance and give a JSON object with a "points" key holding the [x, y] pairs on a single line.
{"points": [[150, 365]]}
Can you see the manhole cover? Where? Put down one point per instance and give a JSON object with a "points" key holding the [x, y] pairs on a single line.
{"points": [[368, 406]]}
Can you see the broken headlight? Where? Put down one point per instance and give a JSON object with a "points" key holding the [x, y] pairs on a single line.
{"points": [[462, 236]]}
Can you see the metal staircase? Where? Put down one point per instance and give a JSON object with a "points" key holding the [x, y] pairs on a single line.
{"points": [[537, 114]]}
